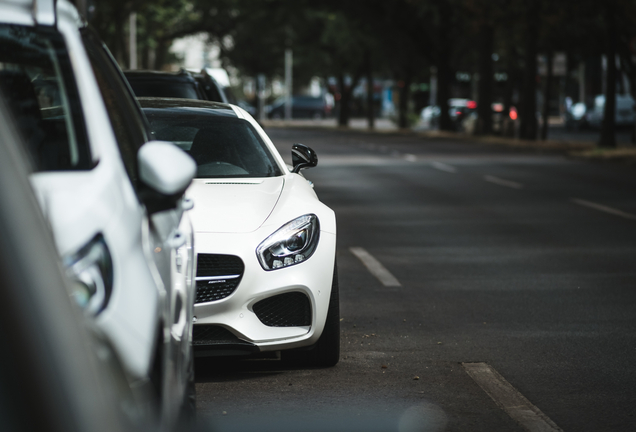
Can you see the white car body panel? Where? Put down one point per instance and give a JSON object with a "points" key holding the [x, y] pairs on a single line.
{"points": [[236, 205]]}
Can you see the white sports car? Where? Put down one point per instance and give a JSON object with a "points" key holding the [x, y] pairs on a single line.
{"points": [[266, 246]]}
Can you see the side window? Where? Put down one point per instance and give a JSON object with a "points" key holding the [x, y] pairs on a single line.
{"points": [[39, 88], [125, 116]]}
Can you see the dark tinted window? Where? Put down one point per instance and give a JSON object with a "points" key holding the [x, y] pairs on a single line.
{"points": [[39, 88], [211, 89], [221, 146], [125, 115], [164, 89]]}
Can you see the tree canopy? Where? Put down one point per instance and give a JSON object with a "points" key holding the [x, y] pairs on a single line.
{"points": [[403, 40]]}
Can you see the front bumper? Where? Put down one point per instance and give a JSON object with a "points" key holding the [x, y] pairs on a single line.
{"points": [[235, 313]]}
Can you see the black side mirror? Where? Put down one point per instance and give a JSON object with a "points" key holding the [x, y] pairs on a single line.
{"points": [[303, 157]]}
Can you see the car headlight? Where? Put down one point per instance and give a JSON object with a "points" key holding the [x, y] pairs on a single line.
{"points": [[91, 273], [291, 244]]}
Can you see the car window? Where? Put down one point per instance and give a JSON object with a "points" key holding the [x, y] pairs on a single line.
{"points": [[38, 87], [221, 146], [182, 90], [125, 116], [211, 89]]}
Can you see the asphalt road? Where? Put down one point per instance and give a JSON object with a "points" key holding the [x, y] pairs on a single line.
{"points": [[522, 261]]}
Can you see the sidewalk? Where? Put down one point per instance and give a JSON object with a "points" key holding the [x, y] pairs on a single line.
{"points": [[583, 147], [381, 124]]}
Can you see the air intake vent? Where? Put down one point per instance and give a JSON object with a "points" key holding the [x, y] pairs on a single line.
{"points": [[211, 334], [257, 182], [284, 310]]}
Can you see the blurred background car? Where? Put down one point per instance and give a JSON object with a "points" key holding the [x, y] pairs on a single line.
{"points": [[458, 109], [117, 217], [624, 115], [211, 84], [315, 107], [266, 276], [180, 84]]}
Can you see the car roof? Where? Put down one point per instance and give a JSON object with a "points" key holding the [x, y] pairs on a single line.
{"points": [[150, 75], [194, 105]]}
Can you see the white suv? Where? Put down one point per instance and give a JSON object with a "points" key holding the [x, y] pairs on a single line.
{"points": [[114, 200]]}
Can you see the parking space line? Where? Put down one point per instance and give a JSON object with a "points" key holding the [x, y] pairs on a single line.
{"points": [[509, 399], [375, 267], [502, 182], [443, 167], [603, 208]]}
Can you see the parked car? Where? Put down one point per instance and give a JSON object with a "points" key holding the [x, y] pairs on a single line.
{"points": [[215, 84], [52, 377], [458, 110], [114, 200], [266, 272], [624, 111], [180, 84], [302, 107]]}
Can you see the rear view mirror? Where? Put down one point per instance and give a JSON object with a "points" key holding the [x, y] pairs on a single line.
{"points": [[167, 171], [303, 157]]}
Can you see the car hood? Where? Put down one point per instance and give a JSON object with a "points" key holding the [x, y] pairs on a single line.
{"points": [[233, 205]]}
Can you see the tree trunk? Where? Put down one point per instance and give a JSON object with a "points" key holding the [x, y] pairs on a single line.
{"points": [[443, 67], [370, 104], [161, 52], [508, 124], [258, 89], [120, 39], [608, 130], [405, 95], [345, 99], [628, 66], [546, 97], [484, 102], [528, 108]]}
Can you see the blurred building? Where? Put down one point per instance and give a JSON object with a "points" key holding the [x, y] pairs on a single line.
{"points": [[195, 52]]}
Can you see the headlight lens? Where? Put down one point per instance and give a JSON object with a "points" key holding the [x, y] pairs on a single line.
{"points": [[291, 244], [91, 273]]}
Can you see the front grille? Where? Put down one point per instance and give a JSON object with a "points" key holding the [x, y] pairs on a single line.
{"points": [[219, 265], [217, 276], [210, 334], [212, 290], [284, 310]]}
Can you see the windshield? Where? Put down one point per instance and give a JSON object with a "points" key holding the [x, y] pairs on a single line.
{"points": [[221, 146], [39, 90]]}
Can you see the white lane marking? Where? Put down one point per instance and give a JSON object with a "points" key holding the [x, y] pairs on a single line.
{"points": [[603, 208], [509, 399], [375, 267], [443, 167], [502, 182], [410, 157]]}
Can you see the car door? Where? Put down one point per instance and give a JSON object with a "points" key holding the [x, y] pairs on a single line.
{"points": [[168, 234]]}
